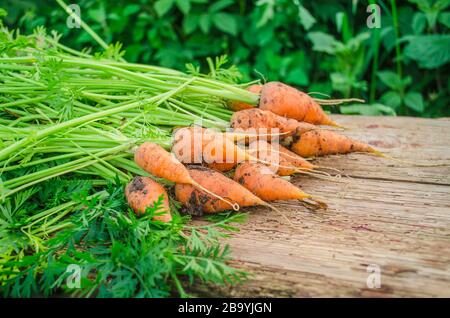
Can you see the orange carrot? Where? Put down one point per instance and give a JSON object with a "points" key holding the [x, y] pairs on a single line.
{"points": [[197, 201], [143, 192], [326, 142], [284, 162], [197, 145], [236, 105], [294, 159], [222, 167], [261, 119], [160, 163], [265, 184], [287, 101], [157, 161]]}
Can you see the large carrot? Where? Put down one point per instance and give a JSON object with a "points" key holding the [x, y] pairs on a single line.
{"points": [[160, 163], [259, 120], [236, 105], [198, 201], [326, 142], [285, 100], [143, 192]]}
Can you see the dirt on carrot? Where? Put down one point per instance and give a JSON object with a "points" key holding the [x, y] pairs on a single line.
{"points": [[325, 142], [143, 193], [197, 201], [263, 120]]}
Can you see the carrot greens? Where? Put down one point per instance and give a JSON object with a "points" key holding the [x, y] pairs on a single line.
{"points": [[69, 124]]}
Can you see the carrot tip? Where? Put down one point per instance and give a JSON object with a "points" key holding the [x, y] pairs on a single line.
{"points": [[335, 124], [406, 162], [315, 205]]}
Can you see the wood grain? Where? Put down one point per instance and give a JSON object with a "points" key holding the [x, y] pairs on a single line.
{"points": [[393, 215]]}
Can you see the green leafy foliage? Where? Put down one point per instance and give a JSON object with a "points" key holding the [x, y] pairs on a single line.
{"points": [[429, 51], [54, 218], [119, 254], [399, 94]]}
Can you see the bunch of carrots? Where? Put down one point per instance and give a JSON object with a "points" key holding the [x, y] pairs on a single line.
{"points": [[82, 117], [215, 171]]}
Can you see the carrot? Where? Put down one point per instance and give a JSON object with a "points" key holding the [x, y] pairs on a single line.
{"points": [[294, 159], [287, 101], [197, 145], [222, 167], [160, 163], [265, 184], [285, 163], [236, 105], [198, 201], [262, 119], [326, 142], [143, 192]]}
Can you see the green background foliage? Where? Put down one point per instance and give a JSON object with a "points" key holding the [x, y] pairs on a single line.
{"points": [[319, 46]]}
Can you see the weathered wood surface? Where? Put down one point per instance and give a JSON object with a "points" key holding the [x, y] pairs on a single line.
{"points": [[392, 215]]}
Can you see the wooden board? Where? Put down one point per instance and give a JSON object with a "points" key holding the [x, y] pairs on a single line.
{"points": [[390, 215]]}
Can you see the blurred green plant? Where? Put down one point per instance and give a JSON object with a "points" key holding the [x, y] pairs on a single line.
{"points": [[323, 46]]}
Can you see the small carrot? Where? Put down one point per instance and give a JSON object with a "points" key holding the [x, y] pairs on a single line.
{"points": [[197, 145], [197, 201], [143, 192], [156, 160], [325, 142], [236, 105], [285, 163], [259, 120], [294, 159], [222, 166], [265, 184], [285, 100]]}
